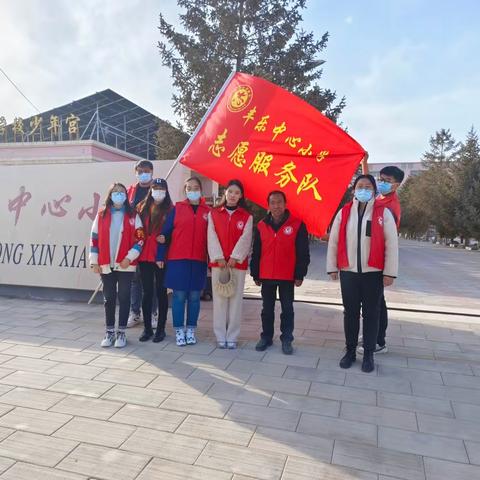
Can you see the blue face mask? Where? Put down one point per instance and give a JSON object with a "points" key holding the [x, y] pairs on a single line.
{"points": [[118, 198], [194, 196], [363, 195], [144, 177], [384, 187]]}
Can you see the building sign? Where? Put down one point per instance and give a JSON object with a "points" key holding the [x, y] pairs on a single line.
{"points": [[46, 212]]}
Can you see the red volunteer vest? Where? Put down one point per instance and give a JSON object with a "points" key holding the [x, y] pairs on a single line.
{"points": [[128, 237], [278, 256], [229, 228], [391, 202], [189, 236], [149, 250], [376, 258]]}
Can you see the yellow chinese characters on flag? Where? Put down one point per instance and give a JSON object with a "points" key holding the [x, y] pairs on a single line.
{"points": [[270, 139]]}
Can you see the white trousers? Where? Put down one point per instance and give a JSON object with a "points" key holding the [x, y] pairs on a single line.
{"points": [[227, 312]]}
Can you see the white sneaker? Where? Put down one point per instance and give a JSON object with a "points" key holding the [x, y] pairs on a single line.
{"points": [[222, 345], [180, 337], [121, 340], [378, 349], [190, 336], [134, 319], [231, 345], [154, 320], [108, 340]]}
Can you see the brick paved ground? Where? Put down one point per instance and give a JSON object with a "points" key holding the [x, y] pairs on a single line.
{"points": [[71, 410]]}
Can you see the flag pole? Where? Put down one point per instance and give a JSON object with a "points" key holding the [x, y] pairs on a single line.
{"points": [[202, 121], [184, 149]]}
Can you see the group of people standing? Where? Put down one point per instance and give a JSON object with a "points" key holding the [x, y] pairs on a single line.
{"points": [[142, 244]]}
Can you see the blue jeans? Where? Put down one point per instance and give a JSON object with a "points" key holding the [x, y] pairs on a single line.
{"points": [[179, 298], [136, 294]]}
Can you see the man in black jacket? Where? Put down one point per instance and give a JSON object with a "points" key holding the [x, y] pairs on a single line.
{"points": [[280, 260]]}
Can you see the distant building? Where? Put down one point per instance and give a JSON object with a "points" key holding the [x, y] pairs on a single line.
{"points": [[410, 168]]}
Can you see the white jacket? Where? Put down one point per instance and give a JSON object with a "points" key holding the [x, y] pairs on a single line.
{"points": [[391, 241]]}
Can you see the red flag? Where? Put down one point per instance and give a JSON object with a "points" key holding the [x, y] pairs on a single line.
{"points": [[270, 139]]}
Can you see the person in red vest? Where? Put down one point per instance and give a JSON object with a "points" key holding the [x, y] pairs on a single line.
{"points": [[184, 248], [116, 240], [280, 260], [363, 250], [229, 243], [390, 179], [137, 193], [153, 211]]}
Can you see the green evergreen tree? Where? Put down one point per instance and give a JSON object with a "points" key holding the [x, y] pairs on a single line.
{"points": [[260, 37], [467, 211]]}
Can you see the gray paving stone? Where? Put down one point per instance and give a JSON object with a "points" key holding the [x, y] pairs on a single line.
{"points": [[6, 463], [223, 431], [387, 417], [28, 350], [338, 392], [338, 429], [30, 379], [292, 443], [410, 374], [36, 421], [315, 375], [449, 427], [320, 406], [25, 471], [172, 384], [30, 398], [263, 368], [103, 462], [79, 386], [149, 417], [200, 405], [393, 384], [442, 470], [307, 469], [136, 395], [473, 450], [242, 461], [169, 446], [68, 356], [87, 407], [456, 380], [166, 470], [278, 384], [29, 364], [75, 371], [440, 366], [466, 411], [35, 448], [448, 392], [240, 393], [219, 376], [378, 460], [126, 377], [266, 416], [296, 359], [98, 432], [415, 404], [422, 444]]}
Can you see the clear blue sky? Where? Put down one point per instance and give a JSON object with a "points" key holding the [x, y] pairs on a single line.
{"points": [[406, 67]]}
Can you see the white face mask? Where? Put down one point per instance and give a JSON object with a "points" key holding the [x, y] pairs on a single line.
{"points": [[159, 195]]}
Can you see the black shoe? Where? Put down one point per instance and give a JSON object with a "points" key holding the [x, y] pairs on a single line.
{"points": [[368, 364], [348, 359], [262, 345], [159, 336], [287, 348], [146, 335]]}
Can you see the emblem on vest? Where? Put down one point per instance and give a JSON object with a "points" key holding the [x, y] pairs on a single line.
{"points": [[205, 216], [240, 225], [288, 230], [132, 222], [380, 220]]}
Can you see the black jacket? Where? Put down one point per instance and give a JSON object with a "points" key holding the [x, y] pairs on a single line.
{"points": [[302, 248]]}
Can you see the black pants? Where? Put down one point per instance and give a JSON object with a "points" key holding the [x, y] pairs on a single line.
{"points": [[152, 277], [110, 282], [361, 291], [269, 295], [382, 327]]}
